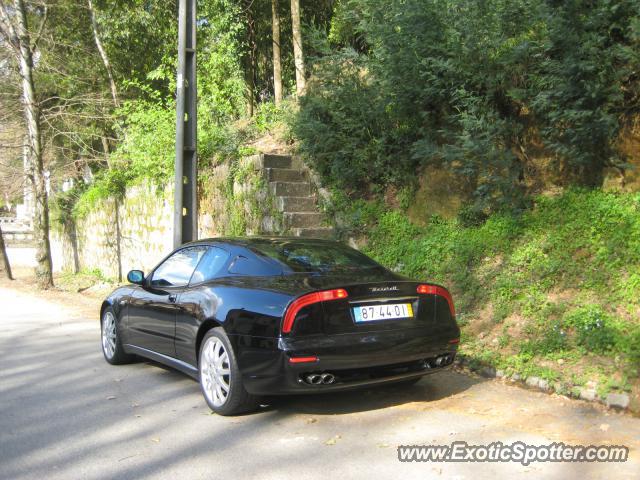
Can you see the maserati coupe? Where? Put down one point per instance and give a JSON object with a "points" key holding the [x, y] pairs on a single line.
{"points": [[255, 316]]}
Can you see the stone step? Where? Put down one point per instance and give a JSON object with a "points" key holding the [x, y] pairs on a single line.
{"points": [[263, 161], [276, 161], [303, 220], [285, 175], [290, 189], [271, 225], [296, 204], [320, 232]]}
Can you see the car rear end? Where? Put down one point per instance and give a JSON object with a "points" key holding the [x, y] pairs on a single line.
{"points": [[357, 334]]}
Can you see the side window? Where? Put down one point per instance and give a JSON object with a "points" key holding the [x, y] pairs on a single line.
{"points": [[258, 267], [210, 265], [176, 270]]}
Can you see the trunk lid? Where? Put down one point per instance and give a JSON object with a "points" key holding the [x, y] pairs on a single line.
{"points": [[371, 305], [375, 306]]}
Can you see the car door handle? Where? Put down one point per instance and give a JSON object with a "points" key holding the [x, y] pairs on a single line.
{"points": [[173, 298]]}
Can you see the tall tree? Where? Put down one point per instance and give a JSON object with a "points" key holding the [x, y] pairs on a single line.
{"points": [[251, 57], [14, 29], [277, 64], [5, 258], [103, 53], [297, 47]]}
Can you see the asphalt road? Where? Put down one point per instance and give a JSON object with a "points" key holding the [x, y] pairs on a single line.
{"points": [[66, 414]]}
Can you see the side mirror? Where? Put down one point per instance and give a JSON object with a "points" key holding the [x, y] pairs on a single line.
{"points": [[136, 276]]}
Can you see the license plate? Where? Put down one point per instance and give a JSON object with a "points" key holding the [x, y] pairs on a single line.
{"points": [[372, 313]]}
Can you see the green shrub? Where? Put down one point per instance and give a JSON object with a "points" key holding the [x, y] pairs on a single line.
{"points": [[630, 345], [595, 329]]}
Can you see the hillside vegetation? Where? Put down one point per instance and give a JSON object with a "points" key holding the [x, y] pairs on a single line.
{"points": [[554, 292]]}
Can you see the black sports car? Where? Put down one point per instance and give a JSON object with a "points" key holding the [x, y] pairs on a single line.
{"points": [[255, 316]]}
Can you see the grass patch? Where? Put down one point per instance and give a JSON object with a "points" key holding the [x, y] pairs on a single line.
{"points": [[554, 292], [83, 280]]}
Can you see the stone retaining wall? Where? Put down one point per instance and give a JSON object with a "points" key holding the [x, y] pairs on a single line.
{"points": [[136, 232]]}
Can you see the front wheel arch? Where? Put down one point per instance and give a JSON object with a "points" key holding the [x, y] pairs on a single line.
{"points": [[103, 307]]}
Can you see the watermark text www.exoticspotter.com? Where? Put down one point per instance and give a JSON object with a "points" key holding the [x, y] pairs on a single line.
{"points": [[514, 452]]}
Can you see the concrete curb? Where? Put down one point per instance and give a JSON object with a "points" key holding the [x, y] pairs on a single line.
{"points": [[613, 401]]}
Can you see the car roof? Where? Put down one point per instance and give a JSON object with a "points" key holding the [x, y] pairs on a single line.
{"points": [[253, 240]]}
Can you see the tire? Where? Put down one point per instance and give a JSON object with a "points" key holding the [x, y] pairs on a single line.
{"points": [[220, 377], [110, 339]]}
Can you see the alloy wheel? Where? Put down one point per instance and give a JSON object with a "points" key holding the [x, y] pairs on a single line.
{"points": [[215, 371], [109, 335]]}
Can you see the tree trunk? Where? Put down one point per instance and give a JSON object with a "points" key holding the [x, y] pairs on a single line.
{"points": [[253, 46], [297, 47], [277, 66], [22, 47], [5, 257], [103, 54]]}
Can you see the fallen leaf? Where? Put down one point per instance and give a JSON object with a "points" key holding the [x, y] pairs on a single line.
{"points": [[604, 427], [312, 420], [156, 440]]}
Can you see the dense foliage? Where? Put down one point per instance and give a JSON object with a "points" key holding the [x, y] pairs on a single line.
{"points": [[483, 89], [478, 87]]}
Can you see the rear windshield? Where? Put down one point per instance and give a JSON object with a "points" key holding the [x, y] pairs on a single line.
{"points": [[314, 257]]}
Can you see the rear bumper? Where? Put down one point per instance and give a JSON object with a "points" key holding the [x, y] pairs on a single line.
{"points": [[355, 360]]}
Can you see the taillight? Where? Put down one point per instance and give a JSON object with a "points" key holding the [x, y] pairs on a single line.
{"points": [[440, 291], [310, 359], [305, 301]]}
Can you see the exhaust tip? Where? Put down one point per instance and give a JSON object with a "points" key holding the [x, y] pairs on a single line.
{"points": [[320, 378], [328, 378], [314, 379]]}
